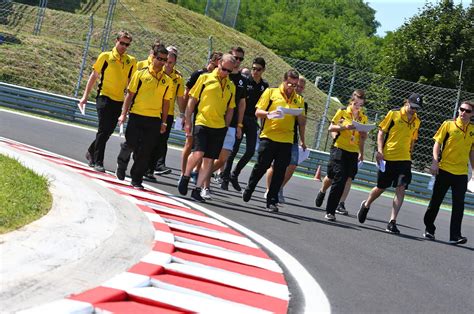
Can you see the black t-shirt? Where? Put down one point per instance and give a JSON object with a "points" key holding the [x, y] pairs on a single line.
{"points": [[240, 83], [295, 138], [254, 91], [194, 77]]}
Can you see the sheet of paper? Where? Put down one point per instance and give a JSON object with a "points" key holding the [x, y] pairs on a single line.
{"points": [[381, 165], [363, 127], [82, 110], [276, 115], [359, 164], [291, 111], [121, 130], [178, 123], [302, 154], [470, 185]]}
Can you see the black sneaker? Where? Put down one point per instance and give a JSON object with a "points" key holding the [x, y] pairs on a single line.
{"points": [[247, 195], [392, 227], [99, 168], [120, 173], [149, 176], [137, 185], [341, 209], [225, 185], [90, 160], [162, 169], [196, 195], [272, 208], [319, 199], [362, 213], [429, 235], [235, 183], [458, 240], [183, 185]]}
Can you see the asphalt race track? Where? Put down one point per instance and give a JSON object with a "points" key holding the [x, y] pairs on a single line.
{"points": [[360, 267]]}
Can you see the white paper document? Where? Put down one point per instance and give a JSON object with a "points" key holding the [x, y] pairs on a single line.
{"points": [[470, 185], [363, 127], [381, 165], [82, 110], [121, 130], [178, 123], [302, 154], [291, 111], [359, 164]]}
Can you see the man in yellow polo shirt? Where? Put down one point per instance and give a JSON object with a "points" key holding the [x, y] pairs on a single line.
{"points": [[145, 63], [114, 68], [158, 156], [276, 137], [395, 142], [455, 138], [214, 94], [147, 99]]}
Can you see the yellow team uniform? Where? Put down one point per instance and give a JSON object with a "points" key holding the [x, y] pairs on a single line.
{"points": [[457, 143], [150, 89], [115, 72], [400, 133], [178, 89], [348, 140], [144, 63], [279, 130], [214, 97]]}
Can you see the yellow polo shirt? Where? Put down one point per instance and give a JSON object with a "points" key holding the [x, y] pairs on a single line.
{"points": [[457, 142], [399, 134], [150, 89], [115, 72], [144, 63], [279, 130], [348, 140], [178, 89], [214, 97]]}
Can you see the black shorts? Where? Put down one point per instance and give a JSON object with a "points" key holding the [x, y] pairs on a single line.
{"points": [[208, 140], [396, 173], [342, 160]]}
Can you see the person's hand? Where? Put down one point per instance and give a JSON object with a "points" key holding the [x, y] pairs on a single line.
{"points": [[350, 127], [187, 129], [122, 119], [238, 131], [434, 169], [361, 157], [303, 146], [379, 156], [163, 128], [82, 104]]}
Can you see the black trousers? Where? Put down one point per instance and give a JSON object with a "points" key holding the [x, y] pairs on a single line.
{"points": [[458, 183], [341, 166], [158, 154], [268, 152], [140, 138], [108, 111], [250, 131]]}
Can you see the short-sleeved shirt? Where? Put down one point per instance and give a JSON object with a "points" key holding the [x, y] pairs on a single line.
{"points": [[348, 140], [178, 89], [254, 91], [457, 142], [144, 63], [115, 72], [279, 130], [399, 134], [240, 83], [194, 77], [214, 97], [295, 137], [151, 89]]}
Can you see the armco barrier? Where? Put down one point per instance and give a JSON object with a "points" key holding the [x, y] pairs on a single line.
{"points": [[65, 108]]}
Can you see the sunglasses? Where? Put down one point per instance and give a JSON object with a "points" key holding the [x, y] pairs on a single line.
{"points": [[227, 70], [161, 59], [465, 110], [239, 58], [124, 43], [257, 69]]}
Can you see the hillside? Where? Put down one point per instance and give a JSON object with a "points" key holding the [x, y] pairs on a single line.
{"points": [[51, 61]]}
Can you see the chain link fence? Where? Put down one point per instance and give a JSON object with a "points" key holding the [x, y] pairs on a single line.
{"points": [[329, 86]]}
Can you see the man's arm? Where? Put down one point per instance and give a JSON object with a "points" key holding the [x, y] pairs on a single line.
{"points": [[181, 105], [240, 118], [362, 138], [302, 129], [471, 157], [380, 135], [228, 116], [164, 115], [434, 169], [188, 115], [90, 84], [125, 107]]}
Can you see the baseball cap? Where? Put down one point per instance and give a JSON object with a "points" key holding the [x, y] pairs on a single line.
{"points": [[415, 100], [172, 49]]}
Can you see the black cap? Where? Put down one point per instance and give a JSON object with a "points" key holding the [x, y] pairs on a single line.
{"points": [[415, 100]]}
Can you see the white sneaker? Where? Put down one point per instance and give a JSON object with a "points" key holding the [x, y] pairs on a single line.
{"points": [[206, 194], [330, 217]]}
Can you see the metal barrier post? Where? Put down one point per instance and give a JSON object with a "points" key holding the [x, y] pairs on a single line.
{"points": [[326, 108], [40, 16], [108, 24], [209, 51], [84, 55]]}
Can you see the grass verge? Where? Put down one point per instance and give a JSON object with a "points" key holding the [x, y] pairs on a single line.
{"points": [[24, 195]]}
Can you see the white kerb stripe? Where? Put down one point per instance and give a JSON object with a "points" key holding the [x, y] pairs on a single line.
{"points": [[150, 216], [157, 258], [164, 236], [126, 281], [158, 198], [62, 306]]}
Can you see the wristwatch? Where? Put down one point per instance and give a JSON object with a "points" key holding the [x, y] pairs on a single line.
{"points": [[240, 125]]}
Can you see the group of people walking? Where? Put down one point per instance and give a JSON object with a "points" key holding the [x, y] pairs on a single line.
{"points": [[220, 104]]}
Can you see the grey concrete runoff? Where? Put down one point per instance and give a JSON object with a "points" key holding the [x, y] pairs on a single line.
{"points": [[90, 235]]}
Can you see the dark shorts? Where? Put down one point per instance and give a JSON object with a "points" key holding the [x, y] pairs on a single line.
{"points": [[396, 173], [208, 140], [342, 160]]}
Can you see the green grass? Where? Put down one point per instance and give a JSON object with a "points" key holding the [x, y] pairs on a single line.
{"points": [[24, 195]]}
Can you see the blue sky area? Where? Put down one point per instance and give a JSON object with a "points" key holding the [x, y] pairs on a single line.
{"points": [[391, 14]]}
